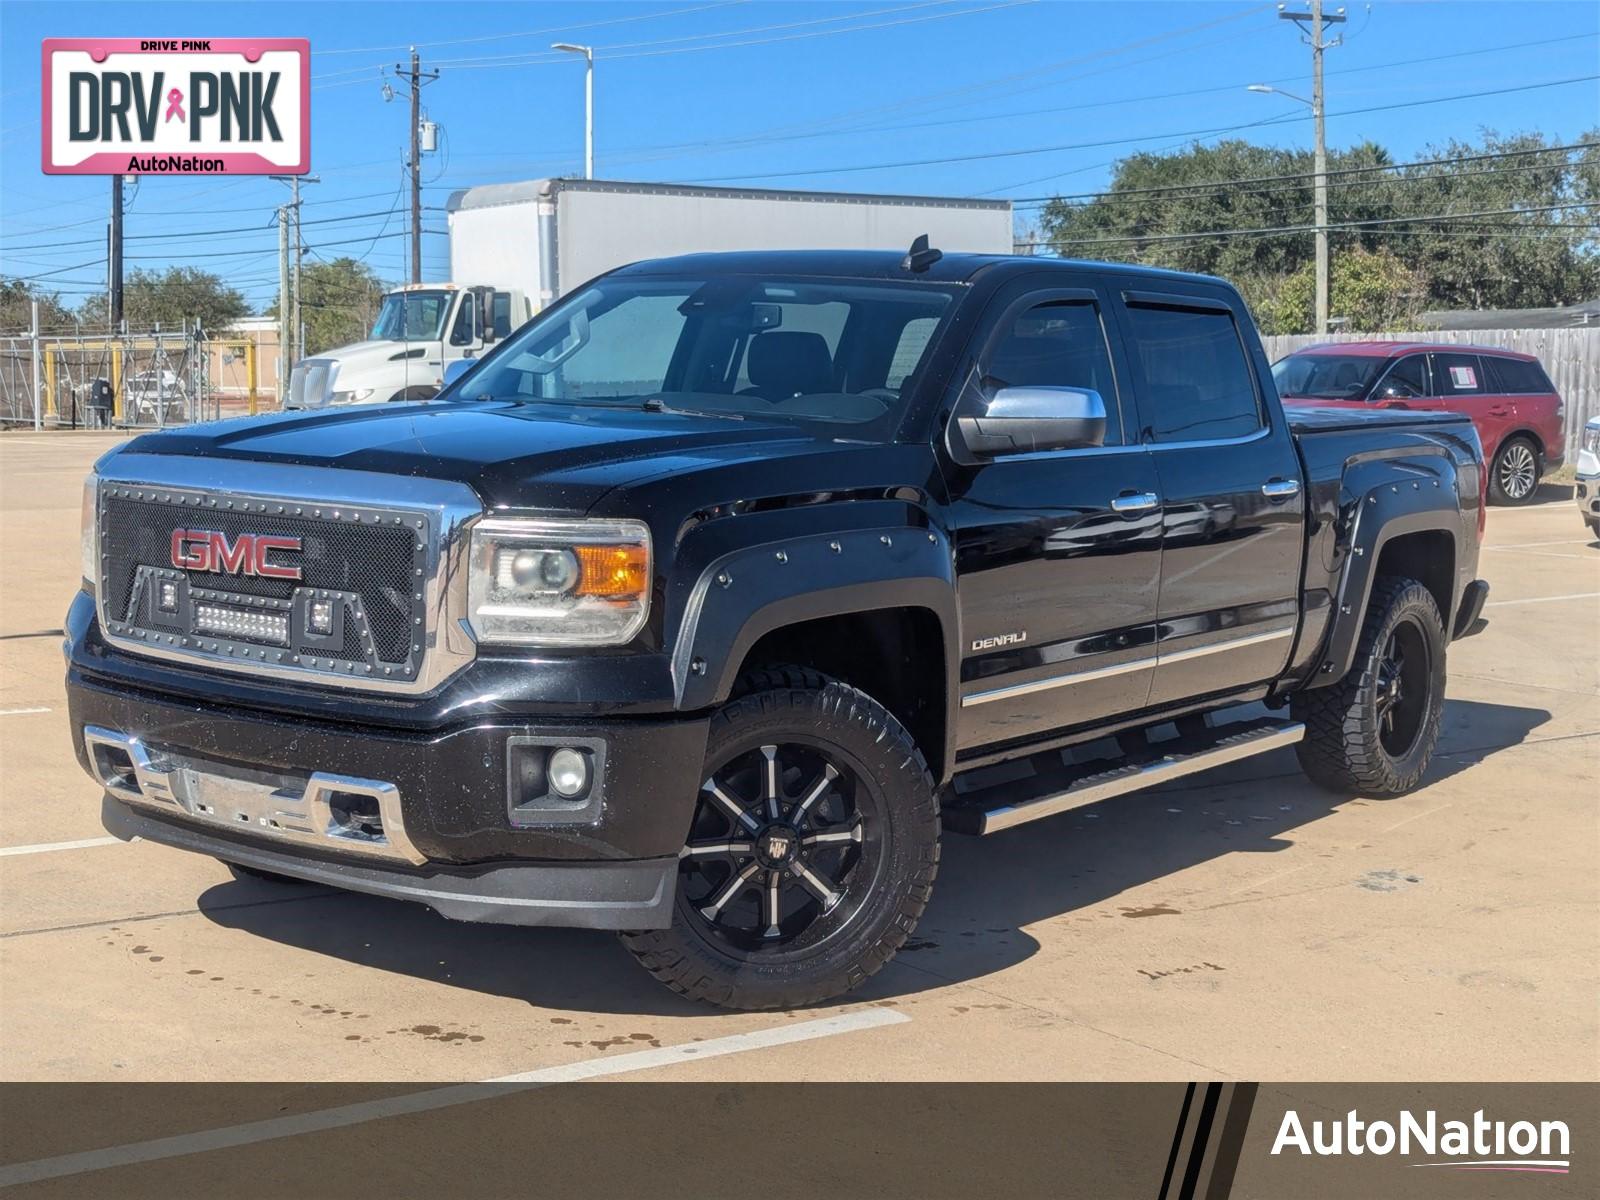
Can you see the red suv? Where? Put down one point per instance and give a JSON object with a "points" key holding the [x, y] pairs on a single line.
{"points": [[1508, 396]]}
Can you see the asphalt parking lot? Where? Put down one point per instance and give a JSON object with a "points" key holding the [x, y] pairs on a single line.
{"points": [[1239, 925]]}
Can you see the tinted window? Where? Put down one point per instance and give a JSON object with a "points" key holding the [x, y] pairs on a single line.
{"points": [[1057, 345], [1519, 375], [1408, 377], [1458, 375], [1195, 380]]}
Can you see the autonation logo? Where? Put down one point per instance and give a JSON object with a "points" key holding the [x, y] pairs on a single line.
{"points": [[1476, 1145]]}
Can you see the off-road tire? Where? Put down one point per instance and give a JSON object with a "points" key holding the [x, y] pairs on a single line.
{"points": [[1498, 491], [765, 704], [1343, 750]]}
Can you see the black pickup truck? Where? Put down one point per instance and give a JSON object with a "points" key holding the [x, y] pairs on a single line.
{"points": [[691, 609]]}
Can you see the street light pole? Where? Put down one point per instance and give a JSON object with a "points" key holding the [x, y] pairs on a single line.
{"points": [[588, 102]]}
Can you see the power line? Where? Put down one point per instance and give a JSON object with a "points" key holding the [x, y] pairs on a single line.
{"points": [[1030, 150], [1420, 162], [1285, 229], [1203, 191]]}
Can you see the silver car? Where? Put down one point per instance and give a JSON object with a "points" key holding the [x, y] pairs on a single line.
{"points": [[1588, 489]]}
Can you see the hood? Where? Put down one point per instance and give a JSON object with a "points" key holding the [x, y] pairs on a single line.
{"points": [[368, 353], [536, 455]]}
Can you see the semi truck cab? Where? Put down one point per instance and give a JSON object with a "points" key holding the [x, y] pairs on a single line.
{"points": [[420, 330]]}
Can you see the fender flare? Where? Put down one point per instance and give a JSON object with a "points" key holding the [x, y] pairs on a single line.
{"points": [[1384, 513], [752, 591]]}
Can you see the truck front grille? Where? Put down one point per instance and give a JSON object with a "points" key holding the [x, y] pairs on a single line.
{"points": [[322, 588]]}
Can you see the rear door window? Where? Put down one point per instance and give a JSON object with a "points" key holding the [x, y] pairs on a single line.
{"points": [[1195, 382], [1518, 376], [1459, 375]]}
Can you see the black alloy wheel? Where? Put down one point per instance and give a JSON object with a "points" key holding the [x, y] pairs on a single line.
{"points": [[811, 852], [779, 857]]}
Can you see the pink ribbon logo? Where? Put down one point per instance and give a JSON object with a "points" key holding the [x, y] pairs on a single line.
{"points": [[175, 105]]}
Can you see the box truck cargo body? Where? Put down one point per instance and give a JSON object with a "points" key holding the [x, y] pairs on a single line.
{"points": [[517, 247], [544, 237]]}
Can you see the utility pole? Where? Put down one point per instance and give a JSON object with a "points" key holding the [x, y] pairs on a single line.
{"points": [[114, 258], [283, 303], [418, 78], [1313, 25], [294, 350]]}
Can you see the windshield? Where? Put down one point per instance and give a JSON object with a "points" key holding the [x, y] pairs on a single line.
{"points": [[411, 316], [834, 351], [1326, 376]]}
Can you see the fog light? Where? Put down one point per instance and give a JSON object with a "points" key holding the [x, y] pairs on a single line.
{"points": [[319, 616], [168, 596], [569, 773]]}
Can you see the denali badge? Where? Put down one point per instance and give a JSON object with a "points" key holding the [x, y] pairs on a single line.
{"points": [[209, 550], [1004, 639]]}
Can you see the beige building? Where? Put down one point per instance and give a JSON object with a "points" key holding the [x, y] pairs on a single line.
{"points": [[249, 343]]}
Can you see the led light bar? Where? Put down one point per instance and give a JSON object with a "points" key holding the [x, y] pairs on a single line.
{"points": [[259, 626]]}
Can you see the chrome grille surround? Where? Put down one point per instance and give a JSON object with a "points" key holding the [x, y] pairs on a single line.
{"points": [[437, 512]]}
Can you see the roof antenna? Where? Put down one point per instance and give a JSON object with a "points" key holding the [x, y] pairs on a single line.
{"points": [[920, 257]]}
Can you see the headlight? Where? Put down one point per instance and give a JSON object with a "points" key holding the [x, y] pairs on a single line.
{"points": [[355, 397], [90, 528], [538, 582], [1591, 439]]}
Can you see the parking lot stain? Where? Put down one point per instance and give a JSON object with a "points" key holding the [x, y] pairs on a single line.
{"points": [[1196, 968], [1387, 881], [1152, 910]]}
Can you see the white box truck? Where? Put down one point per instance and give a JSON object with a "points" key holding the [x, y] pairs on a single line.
{"points": [[516, 247]]}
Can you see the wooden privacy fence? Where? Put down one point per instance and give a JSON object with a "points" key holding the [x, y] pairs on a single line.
{"points": [[1570, 356]]}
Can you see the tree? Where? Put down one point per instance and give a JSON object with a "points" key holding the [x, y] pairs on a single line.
{"points": [[16, 308], [1372, 290], [1180, 210], [338, 302], [171, 298]]}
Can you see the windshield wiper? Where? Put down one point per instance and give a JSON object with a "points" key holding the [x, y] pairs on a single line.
{"points": [[657, 404]]}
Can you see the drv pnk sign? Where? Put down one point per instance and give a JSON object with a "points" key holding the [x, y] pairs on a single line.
{"points": [[171, 106]]}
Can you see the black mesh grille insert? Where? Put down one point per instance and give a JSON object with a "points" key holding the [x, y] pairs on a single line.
{"points": [[378, 562]]}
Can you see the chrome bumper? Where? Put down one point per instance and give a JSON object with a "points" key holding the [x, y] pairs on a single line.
{"points": [[332, 812]]}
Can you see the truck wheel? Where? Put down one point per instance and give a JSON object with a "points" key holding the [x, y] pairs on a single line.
{"points": [[1514, 475], [812, 851], [1373, 732]]}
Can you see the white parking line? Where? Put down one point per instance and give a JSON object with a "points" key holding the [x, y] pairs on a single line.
{"points": [[1534, 545], [47, 847], [436, 1098], [17, 712], [1544, 599]]}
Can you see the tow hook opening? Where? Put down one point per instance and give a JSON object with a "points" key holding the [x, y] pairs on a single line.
{"points": [[355, 815], [115, 767]]}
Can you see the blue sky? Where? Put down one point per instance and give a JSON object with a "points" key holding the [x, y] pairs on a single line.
{"points": [[769, 93]]}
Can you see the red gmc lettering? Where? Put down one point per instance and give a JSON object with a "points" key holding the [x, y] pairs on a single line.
{"points": [[209, 550]]}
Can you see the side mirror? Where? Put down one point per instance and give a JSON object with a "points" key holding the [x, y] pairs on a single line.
{"points": [[456, 368], [1395, 390], [1022, 419], [486, 315]]}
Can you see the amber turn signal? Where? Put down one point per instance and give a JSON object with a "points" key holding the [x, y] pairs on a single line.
{"points": [[612, 571]]}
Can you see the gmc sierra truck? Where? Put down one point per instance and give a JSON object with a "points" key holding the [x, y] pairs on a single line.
{"points": [[691, 609]]}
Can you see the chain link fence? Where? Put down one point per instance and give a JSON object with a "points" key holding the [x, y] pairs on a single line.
{"points": [[126, 380]]}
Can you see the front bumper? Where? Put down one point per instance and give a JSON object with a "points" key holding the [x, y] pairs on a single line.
{"points": [[443, 816], [1586, 491], [636, 894]]}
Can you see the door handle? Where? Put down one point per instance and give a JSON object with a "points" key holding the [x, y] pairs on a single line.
{"points": [[1280, 489], [1135, 502]]}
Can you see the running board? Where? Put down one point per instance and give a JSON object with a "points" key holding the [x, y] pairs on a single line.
{"points": [[1244, 742]]}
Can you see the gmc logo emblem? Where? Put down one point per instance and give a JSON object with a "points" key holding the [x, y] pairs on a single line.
{"points": [[210, 551]]}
